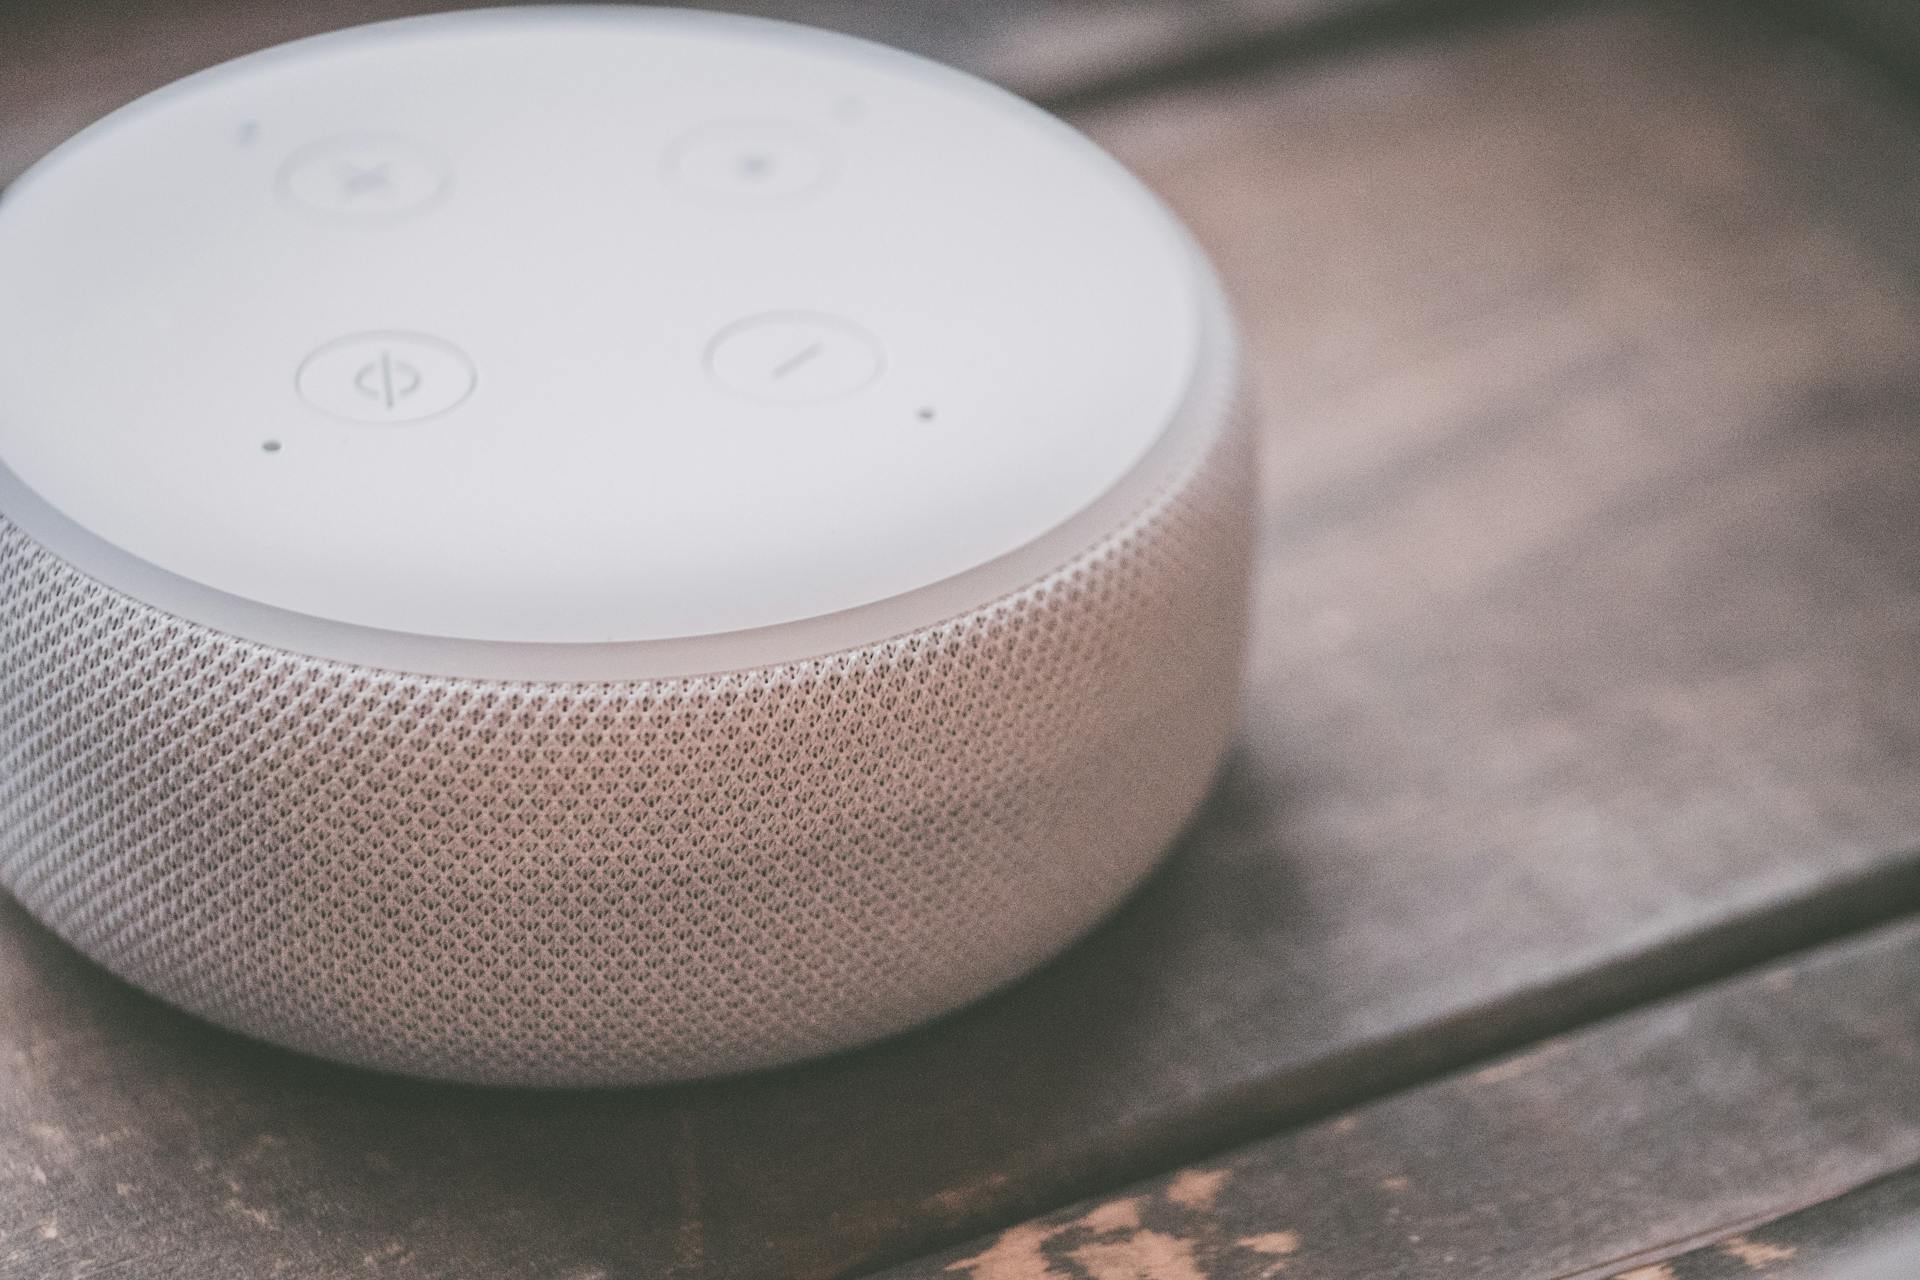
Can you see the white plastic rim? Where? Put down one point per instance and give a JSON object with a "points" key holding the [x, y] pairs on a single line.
{"points": [[589, 344]]}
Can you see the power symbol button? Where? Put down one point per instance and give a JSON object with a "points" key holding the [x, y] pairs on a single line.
{"points": [[386, 377]]}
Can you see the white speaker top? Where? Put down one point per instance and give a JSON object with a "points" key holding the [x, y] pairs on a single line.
{"points": [[578, 327]]}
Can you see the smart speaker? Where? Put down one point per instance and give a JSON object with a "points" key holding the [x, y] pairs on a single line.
{"points": [[588, 546]]}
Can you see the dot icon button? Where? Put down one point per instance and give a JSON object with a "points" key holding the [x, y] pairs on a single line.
{"points": [[748, 160], [794, 357], [364, 178], [385, 377]]}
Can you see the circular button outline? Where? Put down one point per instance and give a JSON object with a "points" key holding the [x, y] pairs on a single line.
{"points": [[318, 149], [386, 337], [821, 319], [674, 158]]}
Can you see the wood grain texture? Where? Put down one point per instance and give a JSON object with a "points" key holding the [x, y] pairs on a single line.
{"points": [[1889, 29], [1685, 1129], [1869, 1233], [1587, 665]]}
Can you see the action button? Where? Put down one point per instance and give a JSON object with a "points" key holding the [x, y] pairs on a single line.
{"points": [[794, 357]]}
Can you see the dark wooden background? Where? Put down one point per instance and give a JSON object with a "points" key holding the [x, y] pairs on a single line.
{"points": [[1556, 913]]}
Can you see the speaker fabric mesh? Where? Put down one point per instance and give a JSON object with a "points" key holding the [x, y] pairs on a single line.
{"points": [[561, 883]]}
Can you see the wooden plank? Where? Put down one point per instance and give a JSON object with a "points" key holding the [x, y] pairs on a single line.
{"points": [[1587, 665], [1870, 1233], [1890, 28], [1686, 1129]]}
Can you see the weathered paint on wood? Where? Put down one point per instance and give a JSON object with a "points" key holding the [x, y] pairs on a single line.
{"points": [[1587, 666], [1685, 1129], [1870, 1233]]}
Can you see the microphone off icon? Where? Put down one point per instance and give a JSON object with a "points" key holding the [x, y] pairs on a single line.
{"points": [[386, 378]]}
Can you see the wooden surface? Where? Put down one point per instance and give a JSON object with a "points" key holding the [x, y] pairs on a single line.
{"points": [[1587, 668], [1686, 1131], [1885, 30], [1870, 1233]]}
